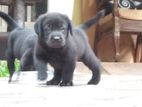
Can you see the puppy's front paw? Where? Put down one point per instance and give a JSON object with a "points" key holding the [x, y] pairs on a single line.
{"points": [[94, 81], [66, 83], [53, 82], [42, 76]]}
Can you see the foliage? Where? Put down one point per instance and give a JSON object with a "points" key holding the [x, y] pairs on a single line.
{"points": [[4, 72]]}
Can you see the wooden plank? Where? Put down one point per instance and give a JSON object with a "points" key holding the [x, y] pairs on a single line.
{"points": [[5, 2], [3, 45], [126, 25], [114, 68], [27, 2]]}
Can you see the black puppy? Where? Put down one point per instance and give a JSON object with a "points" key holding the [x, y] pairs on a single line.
{"points": [[61, 45], [20, 45]]}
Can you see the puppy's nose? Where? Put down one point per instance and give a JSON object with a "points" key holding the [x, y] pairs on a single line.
{"points": [[56, 38]]}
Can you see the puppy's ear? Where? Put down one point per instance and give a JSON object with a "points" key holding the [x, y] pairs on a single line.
{"points": [[38, 25], [69, 29]]}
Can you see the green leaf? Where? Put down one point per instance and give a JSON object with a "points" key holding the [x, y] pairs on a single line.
{"points": [[4, 72]]}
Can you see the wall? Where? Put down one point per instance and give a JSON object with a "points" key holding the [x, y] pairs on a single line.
{"points": [[62, 6]]}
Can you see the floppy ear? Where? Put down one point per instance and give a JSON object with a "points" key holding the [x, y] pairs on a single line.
{"points": [[38, 25], [69, 29]]}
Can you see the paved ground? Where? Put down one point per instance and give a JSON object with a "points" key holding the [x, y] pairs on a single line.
{"points": [[113, 91]]}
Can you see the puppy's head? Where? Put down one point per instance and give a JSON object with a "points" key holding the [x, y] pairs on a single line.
{"points": [[53, 29]]}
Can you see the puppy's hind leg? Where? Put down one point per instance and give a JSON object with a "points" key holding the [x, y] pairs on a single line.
{"points": [[26, 61], [11, 66], [93, 63]]}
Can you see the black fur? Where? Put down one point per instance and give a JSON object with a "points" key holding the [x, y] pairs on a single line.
{"points": [[20, 45], [61, 45], [105, 4]]}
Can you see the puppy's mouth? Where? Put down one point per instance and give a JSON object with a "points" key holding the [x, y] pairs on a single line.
{"points": [[56, 45]]}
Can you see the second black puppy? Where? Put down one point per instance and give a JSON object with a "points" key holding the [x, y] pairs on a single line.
{"points": [[20, 45], [61, 45]]}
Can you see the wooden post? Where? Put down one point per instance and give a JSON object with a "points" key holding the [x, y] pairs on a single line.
{"points": [[19, 12], [42, 10]]}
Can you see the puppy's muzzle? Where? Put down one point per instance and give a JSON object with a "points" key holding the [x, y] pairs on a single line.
{"points": [[56, 40]]}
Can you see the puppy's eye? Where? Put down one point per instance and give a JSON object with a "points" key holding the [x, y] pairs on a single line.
{"points": [[49, 26], [62, 28]]}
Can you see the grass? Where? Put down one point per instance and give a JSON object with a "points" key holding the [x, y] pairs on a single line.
{"points": [[4, 72]]}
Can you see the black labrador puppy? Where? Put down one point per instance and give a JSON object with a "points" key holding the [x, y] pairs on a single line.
{"points": [[20, 45], [61, 45]]}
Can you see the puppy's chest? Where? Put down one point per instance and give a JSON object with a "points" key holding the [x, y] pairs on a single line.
{"points": [[55, 58]]}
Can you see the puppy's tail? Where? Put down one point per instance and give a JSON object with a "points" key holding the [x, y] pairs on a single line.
{"points": [[93, 20], [11, 23]]}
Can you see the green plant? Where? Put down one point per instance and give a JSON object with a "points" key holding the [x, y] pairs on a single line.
{"points": [[4, 72], [17, 65]]}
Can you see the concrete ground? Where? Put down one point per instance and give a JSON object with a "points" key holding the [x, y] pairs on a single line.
{"points": [[123, 88]]}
